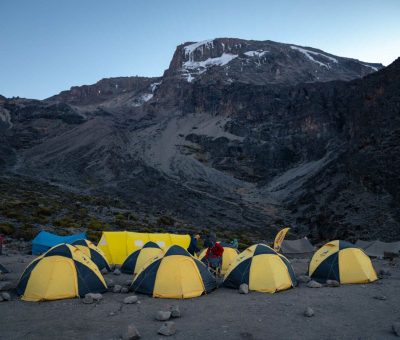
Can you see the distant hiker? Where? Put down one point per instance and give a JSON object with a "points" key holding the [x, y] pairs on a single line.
{"points": [[193, 249], [214, 256], [234, 243]]}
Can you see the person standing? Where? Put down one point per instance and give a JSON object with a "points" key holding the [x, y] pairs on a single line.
{"points": [[193, 249]]}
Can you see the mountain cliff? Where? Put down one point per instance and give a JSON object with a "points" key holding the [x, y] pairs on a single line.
{"points": [[236, 134]]}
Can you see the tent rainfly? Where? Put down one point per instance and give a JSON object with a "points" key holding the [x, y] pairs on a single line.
{"points": [[300, 246], [118, 245], [378, 248], [45, 240]]}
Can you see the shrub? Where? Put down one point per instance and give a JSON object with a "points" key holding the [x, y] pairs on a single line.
{"points": [[7, 229], [166, 220]]}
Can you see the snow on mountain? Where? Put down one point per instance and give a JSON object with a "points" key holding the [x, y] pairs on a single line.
{"points": [[309, 54], [258, 53], [191, 67], [203, 44]]}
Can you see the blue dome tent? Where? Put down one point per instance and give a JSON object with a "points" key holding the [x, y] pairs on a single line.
{"points": [[45, 240]]}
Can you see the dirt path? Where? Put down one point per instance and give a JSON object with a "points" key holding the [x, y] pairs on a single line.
{"points": [[347, 312]]}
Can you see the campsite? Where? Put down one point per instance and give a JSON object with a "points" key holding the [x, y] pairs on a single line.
{"points": [[364, 310], [199, 170]]}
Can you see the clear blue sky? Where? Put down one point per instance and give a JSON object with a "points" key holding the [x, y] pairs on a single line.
{"points": [[50, 45]]}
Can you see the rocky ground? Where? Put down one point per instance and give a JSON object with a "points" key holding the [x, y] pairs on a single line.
{"points": [[365, 311]]}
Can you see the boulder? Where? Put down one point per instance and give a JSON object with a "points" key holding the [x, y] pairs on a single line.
{"points": [[95, 296], [110, 282], [124, 290], [303, 279], [88, 299], [244, 288], [131, 333], [175, 311], [117, 289], [163, 315], [382, 274], [104, 271], [332, 283], [309, 312], [314, 284], [131, 299], [6, 285], [6, 296], [380, 297], [1, 299], [396, 328], [168, 328]]}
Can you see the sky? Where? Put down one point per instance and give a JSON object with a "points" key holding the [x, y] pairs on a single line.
{"points": [[50, 45]]}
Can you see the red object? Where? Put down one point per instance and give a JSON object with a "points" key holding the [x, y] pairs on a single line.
{"points": [[215, 251]]}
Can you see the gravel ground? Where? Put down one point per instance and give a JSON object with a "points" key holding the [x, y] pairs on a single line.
{"points": [[346, 312]]}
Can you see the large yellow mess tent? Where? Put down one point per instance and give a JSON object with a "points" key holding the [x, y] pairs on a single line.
{"points": [[118, 245], [94, 253], [62, 272], [262, 269], [135, 261], [176, 275], [343, 262], [228, 257]]}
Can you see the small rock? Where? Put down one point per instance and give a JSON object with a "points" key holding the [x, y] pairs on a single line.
{"points": [[168, 328], [303, 278], [124, 290], [21, 260], [110, 282], [309, 312], [128, 283], [384, 273], [5, 285], [244, 288], [1, 299], [131, 333], [95, 296], [332, 283], [117, 289], [314, 284], [396, 328], [380, 297], [131, 299], [111, 314], [163, 315], [104, 271], [88, 299], [6, 296], [117, 272], [175, 311]]}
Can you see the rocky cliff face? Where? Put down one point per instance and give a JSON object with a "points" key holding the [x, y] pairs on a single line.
{"points": [[228, 141], [261, 62]]}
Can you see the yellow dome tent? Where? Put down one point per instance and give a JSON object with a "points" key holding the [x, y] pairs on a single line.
{"points": [[94, 253], [228, 257], [263, 269], [343, 262], [135, 261], [175, 275], [62, 272], [117, 245]]}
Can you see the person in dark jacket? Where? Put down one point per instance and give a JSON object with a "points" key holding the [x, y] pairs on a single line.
{"points": [[193, 249]]}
